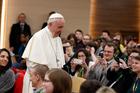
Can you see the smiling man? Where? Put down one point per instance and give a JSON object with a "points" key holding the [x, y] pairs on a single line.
{"points": [[99, 70]]}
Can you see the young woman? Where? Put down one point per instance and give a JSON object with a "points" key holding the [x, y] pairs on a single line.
{"points": [[58, 81], [78, 64], [7, 77]]}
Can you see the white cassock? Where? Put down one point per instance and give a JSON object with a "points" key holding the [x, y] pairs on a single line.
{"points": [[42, 48]]}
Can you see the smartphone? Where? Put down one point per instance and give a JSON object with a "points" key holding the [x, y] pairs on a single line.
{"points": [[118, 60], [77, 61]]}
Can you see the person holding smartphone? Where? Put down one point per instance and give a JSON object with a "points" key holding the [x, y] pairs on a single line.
{"points": [[78, 64], [99, 70], [121, 75]]}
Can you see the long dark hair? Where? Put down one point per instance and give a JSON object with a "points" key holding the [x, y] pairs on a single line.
{"points": [[87, 54], [76, 56], [9, 64]]}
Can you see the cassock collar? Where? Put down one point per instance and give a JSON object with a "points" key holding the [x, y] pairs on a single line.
{"points": [[48, 31]]}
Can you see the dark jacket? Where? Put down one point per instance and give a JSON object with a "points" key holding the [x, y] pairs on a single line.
{"points": [[124, 79], [14, 39]]}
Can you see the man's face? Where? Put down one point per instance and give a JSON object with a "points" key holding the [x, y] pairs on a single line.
{"points": [[79, 35], [33, 78], [130, 59], [136, 66], [57, 27], [21, 18], [108, 52], [86, 39], [105, 35]]}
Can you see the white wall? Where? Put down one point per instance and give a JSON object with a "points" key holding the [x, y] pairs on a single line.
{"points": [[76, 13]]}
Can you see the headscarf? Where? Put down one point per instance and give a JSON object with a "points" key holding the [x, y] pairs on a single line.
{"points": [[7, 77]]}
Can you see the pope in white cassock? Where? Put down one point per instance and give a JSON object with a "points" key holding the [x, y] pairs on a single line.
{"points": [[45, 47]]}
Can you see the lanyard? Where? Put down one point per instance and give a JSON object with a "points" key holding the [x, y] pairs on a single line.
{"points": [[116, 81], [135, 86]]}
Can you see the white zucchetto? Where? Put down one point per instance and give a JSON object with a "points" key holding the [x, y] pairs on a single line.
{"points": [[54, 17]]}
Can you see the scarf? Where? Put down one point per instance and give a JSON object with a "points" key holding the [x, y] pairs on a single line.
{"points": [[7, 81]]}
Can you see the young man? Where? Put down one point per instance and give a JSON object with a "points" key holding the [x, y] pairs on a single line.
{"points": [[99, 70]]}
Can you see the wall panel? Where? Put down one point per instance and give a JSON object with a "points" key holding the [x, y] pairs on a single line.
{"points": [[76, 13], [116, 15]]}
